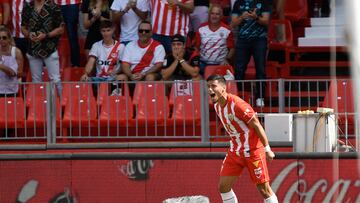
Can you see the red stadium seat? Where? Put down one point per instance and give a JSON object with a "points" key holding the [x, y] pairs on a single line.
{"points": [[296, 10], [152, 106], [37, 116], [74, 91], [34, 91], [12, 114], [116, 110], [217, 69], [143, 90], [186, 110], [80, 112], [105, 92], [73, 74], [184, 88]]}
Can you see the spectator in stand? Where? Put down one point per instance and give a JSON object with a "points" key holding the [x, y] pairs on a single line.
{"points": [[105, 55], [16, 11], [70, 13], [5, 5], [252, 19], [8, 48], [180, 64], [170, 17], [43, 40], [8, 81], [129, 15], [143, 58], [94, 11], [226, 7], [215, 40], [199, 15]]}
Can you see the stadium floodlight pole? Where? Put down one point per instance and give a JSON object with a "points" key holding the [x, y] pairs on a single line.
{"points": [[352, 8]]}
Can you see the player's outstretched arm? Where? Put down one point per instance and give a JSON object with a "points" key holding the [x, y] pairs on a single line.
{"points": [[254, 123]]}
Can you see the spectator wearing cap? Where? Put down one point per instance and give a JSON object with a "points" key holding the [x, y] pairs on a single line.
{"points": [[143, 58], [214, 40], [180, 64]]}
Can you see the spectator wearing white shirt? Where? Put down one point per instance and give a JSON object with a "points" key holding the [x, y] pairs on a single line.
{"points": [[129, 14]]}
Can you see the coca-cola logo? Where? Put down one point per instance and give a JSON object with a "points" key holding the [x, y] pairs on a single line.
{"points": [[337, 192], [137, 169]]}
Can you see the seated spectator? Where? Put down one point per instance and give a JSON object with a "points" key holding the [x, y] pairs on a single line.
{"points": [[180, 64], [8, 80], [8, 48], [143, 58], [43, 39], [105, 55], [94, 11], [215, 41]]}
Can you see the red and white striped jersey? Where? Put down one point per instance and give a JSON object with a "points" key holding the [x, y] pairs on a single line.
{"points": [[169, 19], [235, 116], [142, 58], [16, 9], [67, 2], [214, 45]]}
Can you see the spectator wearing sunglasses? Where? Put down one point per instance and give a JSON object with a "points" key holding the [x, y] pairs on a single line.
{"points": [[143, 58], [8, 48]]}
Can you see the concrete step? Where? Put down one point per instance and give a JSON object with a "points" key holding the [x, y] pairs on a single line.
{"points": [[322, 32], [326, 22], [325, 41]]}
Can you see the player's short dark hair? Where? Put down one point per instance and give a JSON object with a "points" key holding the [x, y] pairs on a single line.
{"points": [[106, 24], [219, 78]]}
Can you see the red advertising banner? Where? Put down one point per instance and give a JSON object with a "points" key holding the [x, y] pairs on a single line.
{"points": [[153, 181]]}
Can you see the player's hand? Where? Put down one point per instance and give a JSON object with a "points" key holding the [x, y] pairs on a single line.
{"points": [[270, 156]]}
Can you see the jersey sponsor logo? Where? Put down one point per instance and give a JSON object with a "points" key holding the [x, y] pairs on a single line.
{"points": [[106, 63], [256, 164], [258, 172]]}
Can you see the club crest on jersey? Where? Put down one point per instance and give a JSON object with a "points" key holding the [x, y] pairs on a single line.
{"points": [[222, 34], [231, 117], [258, 172]]}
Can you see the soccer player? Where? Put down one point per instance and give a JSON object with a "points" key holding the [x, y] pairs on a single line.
{"points": [[249, 145]]}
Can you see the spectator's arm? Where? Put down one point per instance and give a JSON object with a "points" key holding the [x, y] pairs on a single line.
{"points": [[25, 32], [8, 71], [6, 12], [167, 72], [140, 13], [193, 71], [20, 61], [88, 68], [86, 21], [125, 67], [236, 20], [155, 69], [56, 32], [229, 56], [264, 19], [187, 7]]}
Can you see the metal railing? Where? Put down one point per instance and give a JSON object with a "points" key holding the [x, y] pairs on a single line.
{"points": [[156, 111]]}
